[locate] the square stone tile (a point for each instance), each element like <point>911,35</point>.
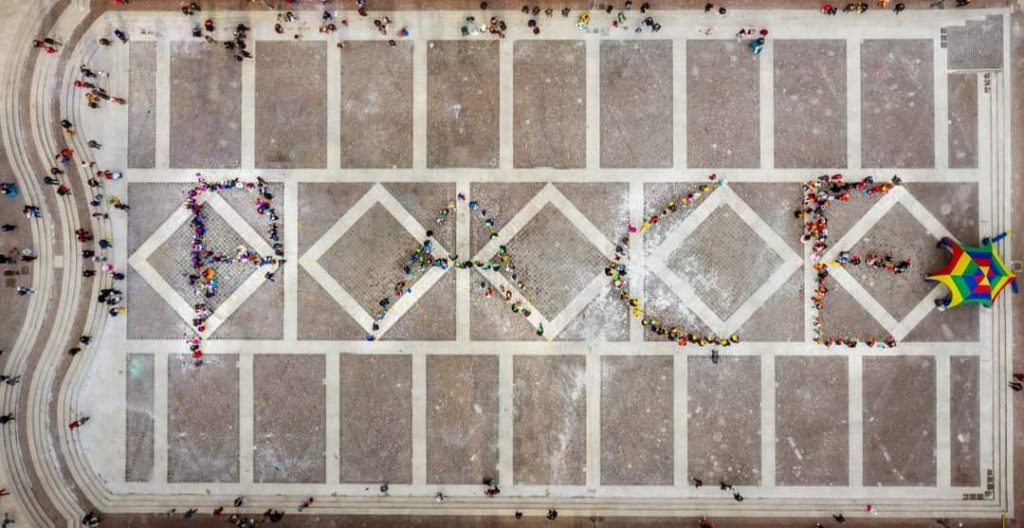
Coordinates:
<point>722,105</point>
<point>291,104</point>
<point>289,418</point>
<point>462,103</point>
<point>139,425</point>
<point>810,103</point>
<point>724,413</point>
<point>553,260</point>
<point>462,419</point>
<point>376,104</point>
<point>811,421</point>
<point>376,418</point>
<point>550,104</point>
<point>141,104</point>
<point>725,261</point>
<point>550,427</point>
<point>897,103</point>
<point>636,103</point>
<point>964,418</point>
<point>637,431</point>
<point>963,120</point>
<point>899,440</point>
<point>202,419</point>
<point>206,106</point>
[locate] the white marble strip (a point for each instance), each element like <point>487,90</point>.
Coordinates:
<point>160,418</point>
<point>163,104</point>
<point>291,255</point>
<point>679,106</point>
<point>853,109</point>
<point>593,381</point>
<point>246,425</point>
<point>941,87</point>
<point>332,423</point>
<point>767,104</point>
<point>943,450</point>
<point>593,69</point>
<point>419,105</point>
<point>680,420</point>
<point>547,175</point>
<point>463,277</point>
<point>248,119</point>
<point>334,123</point>
<point>505,419</point>
<point>768,421</point>
<point>555,348</point>
<point>419,419</point>
<point>636,266</point>
<point>505,103</point>
<point>856,420</point>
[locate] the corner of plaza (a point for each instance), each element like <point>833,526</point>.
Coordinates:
<point>452,263</point>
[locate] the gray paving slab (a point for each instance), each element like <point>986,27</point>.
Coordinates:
<point>965,421</point>
<point>202,419</point>
<point>722,105</point>
<point>811,421</point>
<point>810,103</point>
<point>141,104</point>
<point>897,103</point>
<point>206,106</point>
<point>899,440</point>
<point>963,121</point>
<point>139,441</point>
<point>376,418</point>
<point>462,104</point>
<point>289,418</point>
<point>636,420</point>
<point>462,419</point>
<point>636,104</point>
<point>291,104</point>
<point>724,419</point>
<point>550,420</point>
<point>376,105</point>
<point>549,104</point>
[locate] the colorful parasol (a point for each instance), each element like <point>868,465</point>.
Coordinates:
<point>974,274</point>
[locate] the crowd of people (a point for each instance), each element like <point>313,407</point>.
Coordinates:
<point>820,194</point>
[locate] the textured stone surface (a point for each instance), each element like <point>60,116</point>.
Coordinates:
<point>462,419</point>
<point>289,418</point>
<point>722,105</point>
<point>291,104</point>
<point>636,420</point>
<point>202,419</point>
<point>206,110</point>
<point>897,103</point>
<point>462,104</point>
<point>724,430</point>
<point>376,105</point>
<point>636,104</point>
<point>139,425</point>
<point>811,421</point>
<point>810,103</point>
<point>550,424</point>
<point>550,104</point>
<point>376,418</point>
<point>899,440</point>
<point>142,104</point>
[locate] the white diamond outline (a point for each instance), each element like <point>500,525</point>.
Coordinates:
<point>139,260</point>
<point>723,197</point>
<point>550,194</point>
<point>310,260</point>
<point>898,194</point>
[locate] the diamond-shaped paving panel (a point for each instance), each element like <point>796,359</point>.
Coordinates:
<point>554,260</point>
<point>368,260</point>
<point>724,261</point>
<point>903,236</point>
<point>173,262</point>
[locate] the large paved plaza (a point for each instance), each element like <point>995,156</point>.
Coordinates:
<point>347,374</point>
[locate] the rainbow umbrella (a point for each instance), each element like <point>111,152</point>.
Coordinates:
<point>974,274</point>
